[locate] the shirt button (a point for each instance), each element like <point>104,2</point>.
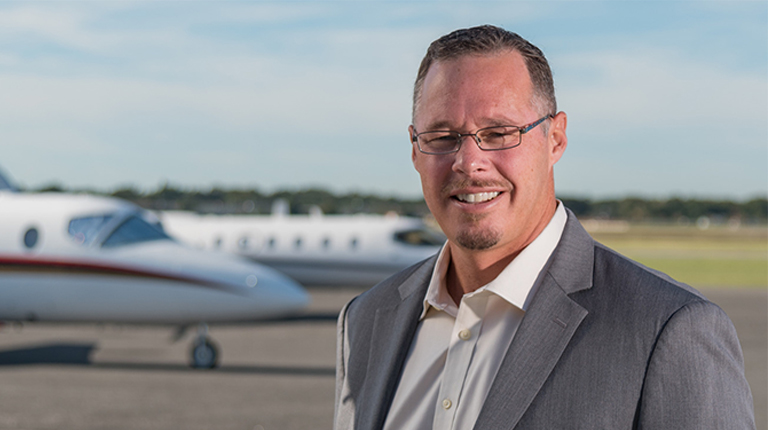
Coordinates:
<point>447,404</point>
<point>465,334</point>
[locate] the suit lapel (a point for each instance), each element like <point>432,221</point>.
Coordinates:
<point>393,330</point>
<point>545,331</point>
<point>538,344</point>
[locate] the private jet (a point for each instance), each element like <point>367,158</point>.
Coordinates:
<point>84,258</point>
<point>313,249</point>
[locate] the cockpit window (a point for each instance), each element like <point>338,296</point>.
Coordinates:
<point>84,230</point>
<point>134,230</point>
<point>420,237</point>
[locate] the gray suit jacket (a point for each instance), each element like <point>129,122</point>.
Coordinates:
<point>605,344</point>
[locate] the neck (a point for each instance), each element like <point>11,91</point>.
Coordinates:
<point>467,274</point>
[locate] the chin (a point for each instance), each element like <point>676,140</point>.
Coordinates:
<point>478,239</point>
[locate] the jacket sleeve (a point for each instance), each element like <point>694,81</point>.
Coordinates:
<point>344,411</point>
<point>695,377</point>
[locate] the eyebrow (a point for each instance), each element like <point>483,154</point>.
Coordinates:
<point>488,122</point>
<point>440,125</point>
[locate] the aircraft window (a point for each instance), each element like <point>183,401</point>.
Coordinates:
<point>327,243</point>
<point>420,237</point>
<point>243,243</point>
<point>353,243</point>
<point>84,230</point>
<point>271,243</point>
<point>134,230</point>
<point>30,238</point>
<point>217,243</point>
<point>297,243</point>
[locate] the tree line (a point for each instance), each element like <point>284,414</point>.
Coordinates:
<point>243,201</point>
<point>673,209</point>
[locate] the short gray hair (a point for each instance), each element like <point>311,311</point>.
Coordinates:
<point>486,40</point>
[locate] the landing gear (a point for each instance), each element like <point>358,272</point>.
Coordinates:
<point>204,354</point>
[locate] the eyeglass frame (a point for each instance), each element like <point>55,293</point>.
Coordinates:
<point>460,136</point>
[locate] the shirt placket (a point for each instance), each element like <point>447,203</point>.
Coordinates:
<point>464,336</point>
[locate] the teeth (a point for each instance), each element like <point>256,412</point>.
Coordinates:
<point>477,197</point>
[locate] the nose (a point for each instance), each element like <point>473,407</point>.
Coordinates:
<point>470,158</point>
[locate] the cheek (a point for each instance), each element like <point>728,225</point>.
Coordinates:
<point>527,171</point>
<point>427,179</point>
<point>431,170</point>
<point>421,169</point>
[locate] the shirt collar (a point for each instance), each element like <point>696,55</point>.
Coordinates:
<point>514,284</point>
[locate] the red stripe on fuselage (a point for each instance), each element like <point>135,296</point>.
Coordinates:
<point>43,265</point>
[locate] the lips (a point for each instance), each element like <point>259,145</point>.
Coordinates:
<point>477,197</point>
<point>472,194</point>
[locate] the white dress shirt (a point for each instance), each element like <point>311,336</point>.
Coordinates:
<point>457,351</point>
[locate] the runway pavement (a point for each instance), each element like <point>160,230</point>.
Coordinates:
<point>273,376</point>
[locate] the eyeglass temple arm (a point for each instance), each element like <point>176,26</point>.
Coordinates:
<point>530,127</point>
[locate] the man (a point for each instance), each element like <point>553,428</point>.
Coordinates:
<point>523,321</point>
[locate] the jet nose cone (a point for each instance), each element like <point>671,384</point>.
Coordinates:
<point>284,294</point>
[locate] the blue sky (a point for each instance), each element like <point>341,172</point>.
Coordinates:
<point>663,98</point>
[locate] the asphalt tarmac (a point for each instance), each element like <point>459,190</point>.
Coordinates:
<point>273,376</point>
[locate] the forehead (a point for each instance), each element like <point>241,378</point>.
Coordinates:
<point>473,87</point>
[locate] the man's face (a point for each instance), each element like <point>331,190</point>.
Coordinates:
<point>487,200</point>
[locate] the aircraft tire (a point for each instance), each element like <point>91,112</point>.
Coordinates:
<point>204,354</point>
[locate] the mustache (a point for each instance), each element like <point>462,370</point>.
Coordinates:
<point>473,183</point>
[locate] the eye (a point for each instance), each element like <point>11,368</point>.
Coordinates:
<point>495,135</point>
<point>446,138</point>
<point>437,138</point>
<point>499,136</point>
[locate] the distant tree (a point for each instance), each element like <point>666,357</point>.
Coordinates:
<point>127,193</point>
<point>755,209</point>
<point>634,208</point>
<point>580,207</point>
<point>224,200</point>
<point>51,188</point>
<point>673,209</point>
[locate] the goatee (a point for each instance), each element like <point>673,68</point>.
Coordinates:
<point>478,240</point>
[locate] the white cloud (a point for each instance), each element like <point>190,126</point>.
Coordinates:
<point>78,27</point>
<point>61,25</point>
<point>650,122</point>
<point>203,86</point>
<point>308,97</point>
<point>361,82</point>
<point>659,89</point>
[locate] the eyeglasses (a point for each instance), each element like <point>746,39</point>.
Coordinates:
<point>488,139</point>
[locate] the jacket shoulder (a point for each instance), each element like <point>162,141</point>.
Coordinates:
<point>392,290</point>
<point>631,277</point>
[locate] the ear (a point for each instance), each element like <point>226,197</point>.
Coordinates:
<point>557,139</point>
<point>414,150</point>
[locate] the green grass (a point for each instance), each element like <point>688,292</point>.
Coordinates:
<point>715,257</point>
